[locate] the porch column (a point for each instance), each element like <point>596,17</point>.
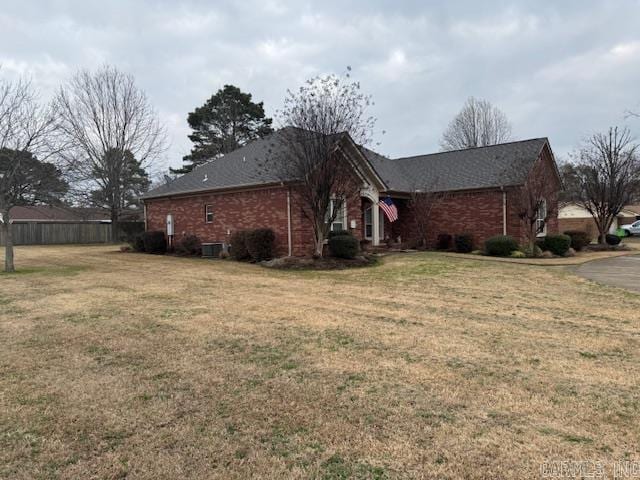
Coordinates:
<point>371,194</point>
<point>375,219</point>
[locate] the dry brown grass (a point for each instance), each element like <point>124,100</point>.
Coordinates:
<point>126,365</point>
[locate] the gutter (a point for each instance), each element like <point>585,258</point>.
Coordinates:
<point>198,192</point>
<point>144,213</point>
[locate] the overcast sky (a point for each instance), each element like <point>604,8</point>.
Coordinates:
<point>557,69</point>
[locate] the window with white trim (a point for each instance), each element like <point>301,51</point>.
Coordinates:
<point>340,221</point>
<point>208,213</point>
<point>541,218</point>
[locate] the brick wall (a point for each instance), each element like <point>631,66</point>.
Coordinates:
<point>242,210</point>
<point>232,211</point>
<point>479,213</point>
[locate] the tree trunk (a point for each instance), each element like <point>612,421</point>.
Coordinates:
<point>8,241</point>
<point>318,241</point>
<point>602,239</point>
<point>115,225</point>
<point>603,228</point>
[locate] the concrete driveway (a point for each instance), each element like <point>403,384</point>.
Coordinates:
<point>621,272</point>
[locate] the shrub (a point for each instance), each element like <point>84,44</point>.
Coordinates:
<point>463,243</point>
<point>444,241</point>
<point>155,242</point>
<point>129,230</point>
<point>338,233</point>
<point>343,246</point>
<point>500,246</point>
<point>579,239</point>
<point>260,243</point>
<point>612,239</point>
<point>137,243</point>
<point>534,252</point>
<point>189,245</point>
<point>518,254</point>
<point>557,244</point>
<point>238,243</point>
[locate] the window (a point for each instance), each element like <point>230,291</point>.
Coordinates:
<point>340,221</point>
<point>208,213</point>
<point>541,218</point>
<point>368,223</point>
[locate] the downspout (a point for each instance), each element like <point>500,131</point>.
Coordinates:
<point>504,211</point>
<point>289,222</point>
<point>144,214</point>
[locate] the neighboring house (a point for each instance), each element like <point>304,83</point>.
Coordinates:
<point>57,214</point>
<point>48,224</point>
<point>234,192</point>
<point>574,217</point>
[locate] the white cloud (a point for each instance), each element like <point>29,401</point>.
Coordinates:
<point>557,69</point>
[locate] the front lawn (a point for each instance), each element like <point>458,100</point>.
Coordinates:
<point>120,365</point>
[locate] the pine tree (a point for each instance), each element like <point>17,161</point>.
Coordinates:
<point>227,121</point>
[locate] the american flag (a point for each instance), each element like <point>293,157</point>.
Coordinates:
<point>389,209</point>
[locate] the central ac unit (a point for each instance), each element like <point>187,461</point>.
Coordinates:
<point>212,250</point>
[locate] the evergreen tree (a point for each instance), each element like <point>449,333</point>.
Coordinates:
<point>227,121</point>
<point>121,180</point>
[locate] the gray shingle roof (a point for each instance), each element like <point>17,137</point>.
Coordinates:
<point>239,168</point>
<point>483,167</point>
<point>506,164</point>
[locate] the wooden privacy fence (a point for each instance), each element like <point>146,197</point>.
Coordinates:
<point>56,233</point>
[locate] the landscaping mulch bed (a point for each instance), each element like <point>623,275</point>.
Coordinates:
<point>324,263</point>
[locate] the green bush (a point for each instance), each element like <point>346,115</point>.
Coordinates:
<point>260,243</point>
<point>518,254</point>
<point>557,244</point>
<point>579,239</point>
<point>238,242</point>
<point>128,231</point>
<point>612,239</point>
<point>343,246</point>
<point>463,243</point>
<point>155,242</point>
<point>189,245</point>
<point>137,243</point>
<point>500,246</point>
<point>338,233</point>
<point>444,241</point>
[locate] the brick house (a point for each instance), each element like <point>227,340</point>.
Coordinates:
<point>233,192</point>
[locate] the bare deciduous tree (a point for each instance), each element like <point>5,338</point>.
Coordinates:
<point>422,201</point>
<point>535,203</point>
<point>607,176</point>
<point>478,124</point>
<point>324,118</point>
<point>25,127</point>
<point>104,119</point>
